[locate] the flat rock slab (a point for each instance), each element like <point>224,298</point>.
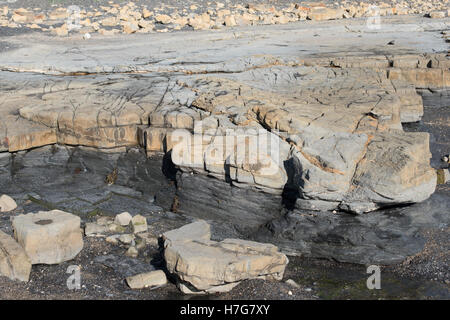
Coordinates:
<point>205,266</point>
<point>49,237</point>
<point>14,261</point>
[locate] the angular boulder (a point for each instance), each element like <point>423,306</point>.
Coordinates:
<point>49,237</point>
<point>7,203</point>
<point>14,261</point>
<point>205,266</point>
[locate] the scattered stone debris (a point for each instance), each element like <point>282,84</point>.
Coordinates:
<point>132,18</point>
<point>126,238</point>
<point>152,279</point>
<point>292,283</point>
<point>94,229</point>
<point>132,252</point>
<point>49,237</point>
<point>7,203</point>
<point>205,266</point>
<point>14,261</point>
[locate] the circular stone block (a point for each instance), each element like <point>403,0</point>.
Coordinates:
<point>49,237</point>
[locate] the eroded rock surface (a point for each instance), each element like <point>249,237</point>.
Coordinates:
<point>255,122</point>
<point>206,266</point>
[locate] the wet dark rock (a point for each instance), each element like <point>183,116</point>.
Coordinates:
<point>124,266</point>
<point>383,237</point>
<point>212,199</point>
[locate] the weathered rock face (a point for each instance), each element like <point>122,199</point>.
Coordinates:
<point>14,262</point>
<point>315,142</point>
<point>49,237</point>
<point>205,266</point>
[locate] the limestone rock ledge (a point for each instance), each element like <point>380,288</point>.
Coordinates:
<point>205,266</point>
<point>321,133</point>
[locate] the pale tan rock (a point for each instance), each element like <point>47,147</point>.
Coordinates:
<point>94,229</point>
<point>139,224</point>
<point>181,21</point>
<point>210,266</point>
<point>58,14</point>
<point>123,219</point>
<point>109,22</point>
<point>147,280</point>
<point>115,228</point>
<point>39,18</point>
<point>148,238</point>
<point>223,13</point>
<point>200,22</point>
<point>14,261</point>
<point>230,21</point>
<point>199,230</point>
<point>163,18</point>
<point>22,16</point>
<point>49,237</point>
<point>132,252</point>
<point>126,238</point>
<point>114,239</point>
<point>7,203</point>
<point>437,14</point>
<point>110,32</point>
<point>145,24</point>
<point>323,13</point>
<point>146,13</point>
<point>34,26</point>
<point>61,31</point>
<point>130,27</point>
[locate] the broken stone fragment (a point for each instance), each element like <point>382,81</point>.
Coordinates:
<point>123,219</point>
<point>443,176</point>
<point>126,238</point>
<point>93,229</point>
<point>205,266</point>
<point>14,261</point>
<point>139,224</point>
<point>150,279</point>
<point>7,203</point>
<point>49,237</point>
<point>114,239</point>
<point>132,252</point>
<point>61,31</point>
